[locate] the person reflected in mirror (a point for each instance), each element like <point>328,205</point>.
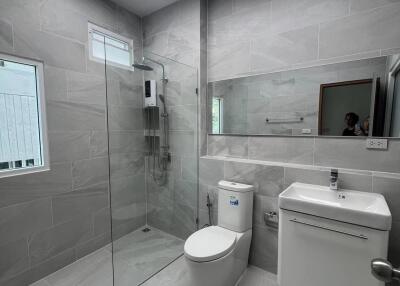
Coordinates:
<point>365,127</point>
<point>353,127</point>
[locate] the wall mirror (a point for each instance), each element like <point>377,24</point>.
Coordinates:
<point>355,98</point>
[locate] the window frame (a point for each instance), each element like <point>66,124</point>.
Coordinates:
<point>93,27</point>
<point>42,118</point>
<point>220,114</point>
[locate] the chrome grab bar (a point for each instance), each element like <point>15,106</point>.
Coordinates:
<point>360,236</point>
<point>384,271</point>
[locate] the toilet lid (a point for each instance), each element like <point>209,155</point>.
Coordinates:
<point>209,244</point>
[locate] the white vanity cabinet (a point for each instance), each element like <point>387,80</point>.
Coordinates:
<point>315,251</point>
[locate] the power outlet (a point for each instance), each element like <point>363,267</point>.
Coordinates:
<point>377,143</point>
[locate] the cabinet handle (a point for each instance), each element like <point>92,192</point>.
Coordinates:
<point>360,236</point>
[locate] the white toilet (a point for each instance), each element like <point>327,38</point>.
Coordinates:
<point>218,255</point>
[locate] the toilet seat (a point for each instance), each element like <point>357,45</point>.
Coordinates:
<point>209,244</point>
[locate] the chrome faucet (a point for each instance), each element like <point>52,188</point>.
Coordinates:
<point>334,180</point>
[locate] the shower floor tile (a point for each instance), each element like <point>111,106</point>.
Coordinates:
<point>176,274</point>
<point>137,256</point>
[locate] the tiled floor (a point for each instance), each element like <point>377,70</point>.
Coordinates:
<point>176,275</point>
<point>139,255</point>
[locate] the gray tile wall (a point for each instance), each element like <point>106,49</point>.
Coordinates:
<point>253,37</point>
<point>52,218</point>
<point>271,178</point>
<point>247,37</point>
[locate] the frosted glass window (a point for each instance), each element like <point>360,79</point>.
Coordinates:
<point>22,116</point>
<point>106,46</point>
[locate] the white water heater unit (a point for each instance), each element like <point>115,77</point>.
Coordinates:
<point>150,93</point>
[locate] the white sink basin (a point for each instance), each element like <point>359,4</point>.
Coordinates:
<point>361,208</point>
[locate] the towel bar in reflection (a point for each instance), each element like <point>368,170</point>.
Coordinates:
<point>284,120</point>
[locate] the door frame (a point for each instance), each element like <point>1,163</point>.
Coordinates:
<point>335,84</point>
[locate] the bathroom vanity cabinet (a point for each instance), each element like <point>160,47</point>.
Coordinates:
<point>315,251</point>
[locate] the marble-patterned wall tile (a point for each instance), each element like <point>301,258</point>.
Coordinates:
<point>98,143</point>
<point>21,13</point>
<point>219,8</point>
<point>55,83</point>
<point>161,21</point>
<point>230,60</point>
<point>264,248</point>
<point>69,146</point>
<point>70,116</point>
<point>97,11</point>
<point>86,88</point>
<point>6,36</point>
<point>67,23</point>
<point>282,50</point>
<point>129,24</point>
<point>249,24</point>
<point>183,220</point>
<point>183,143</point>
<point>189,169</point>
<point>14,258</point>
<point>239,5</point>
<point>102,221</point>
<point>352,154</point>
<point>126,164</point>
<point>57,51</point>
<point>362,5</point>
<point>126,190</point>
<point>337,37</point>
<point>232,146</point>
<point>125,118</point>
<point>211,171</point>
<point>24,219</point>
<point>389,187</point>
<point>288,149</point>
<point>89,172</point>
<point>47,243</point>
<point>81,203</point>
<point>266,180</point>
<point>127,142</point>
<point>291,14</point>
<point>347,179</point>
<point>14,190</point>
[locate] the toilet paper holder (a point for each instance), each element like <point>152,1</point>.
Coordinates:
<point>271,218</point>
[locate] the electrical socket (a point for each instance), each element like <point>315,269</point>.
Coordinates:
<point>377,143</point>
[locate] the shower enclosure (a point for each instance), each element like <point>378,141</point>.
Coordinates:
<point>153,156</point>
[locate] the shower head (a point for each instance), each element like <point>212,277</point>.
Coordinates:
<point>142,66</point>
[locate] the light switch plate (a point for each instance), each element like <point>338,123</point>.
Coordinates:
<point>377,143</point>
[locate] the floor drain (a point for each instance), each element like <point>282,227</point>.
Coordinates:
<point>146,229</point>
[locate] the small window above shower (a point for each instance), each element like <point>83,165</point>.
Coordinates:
<point>106,46</point>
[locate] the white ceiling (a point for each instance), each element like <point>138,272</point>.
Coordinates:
<point>144,7</point>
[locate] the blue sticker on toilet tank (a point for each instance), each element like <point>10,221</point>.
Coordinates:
<point>234,202</point>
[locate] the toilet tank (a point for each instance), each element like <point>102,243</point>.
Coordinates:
<point>235,206</point>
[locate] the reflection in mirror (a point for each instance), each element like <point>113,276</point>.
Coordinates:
<point>357,98</point>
